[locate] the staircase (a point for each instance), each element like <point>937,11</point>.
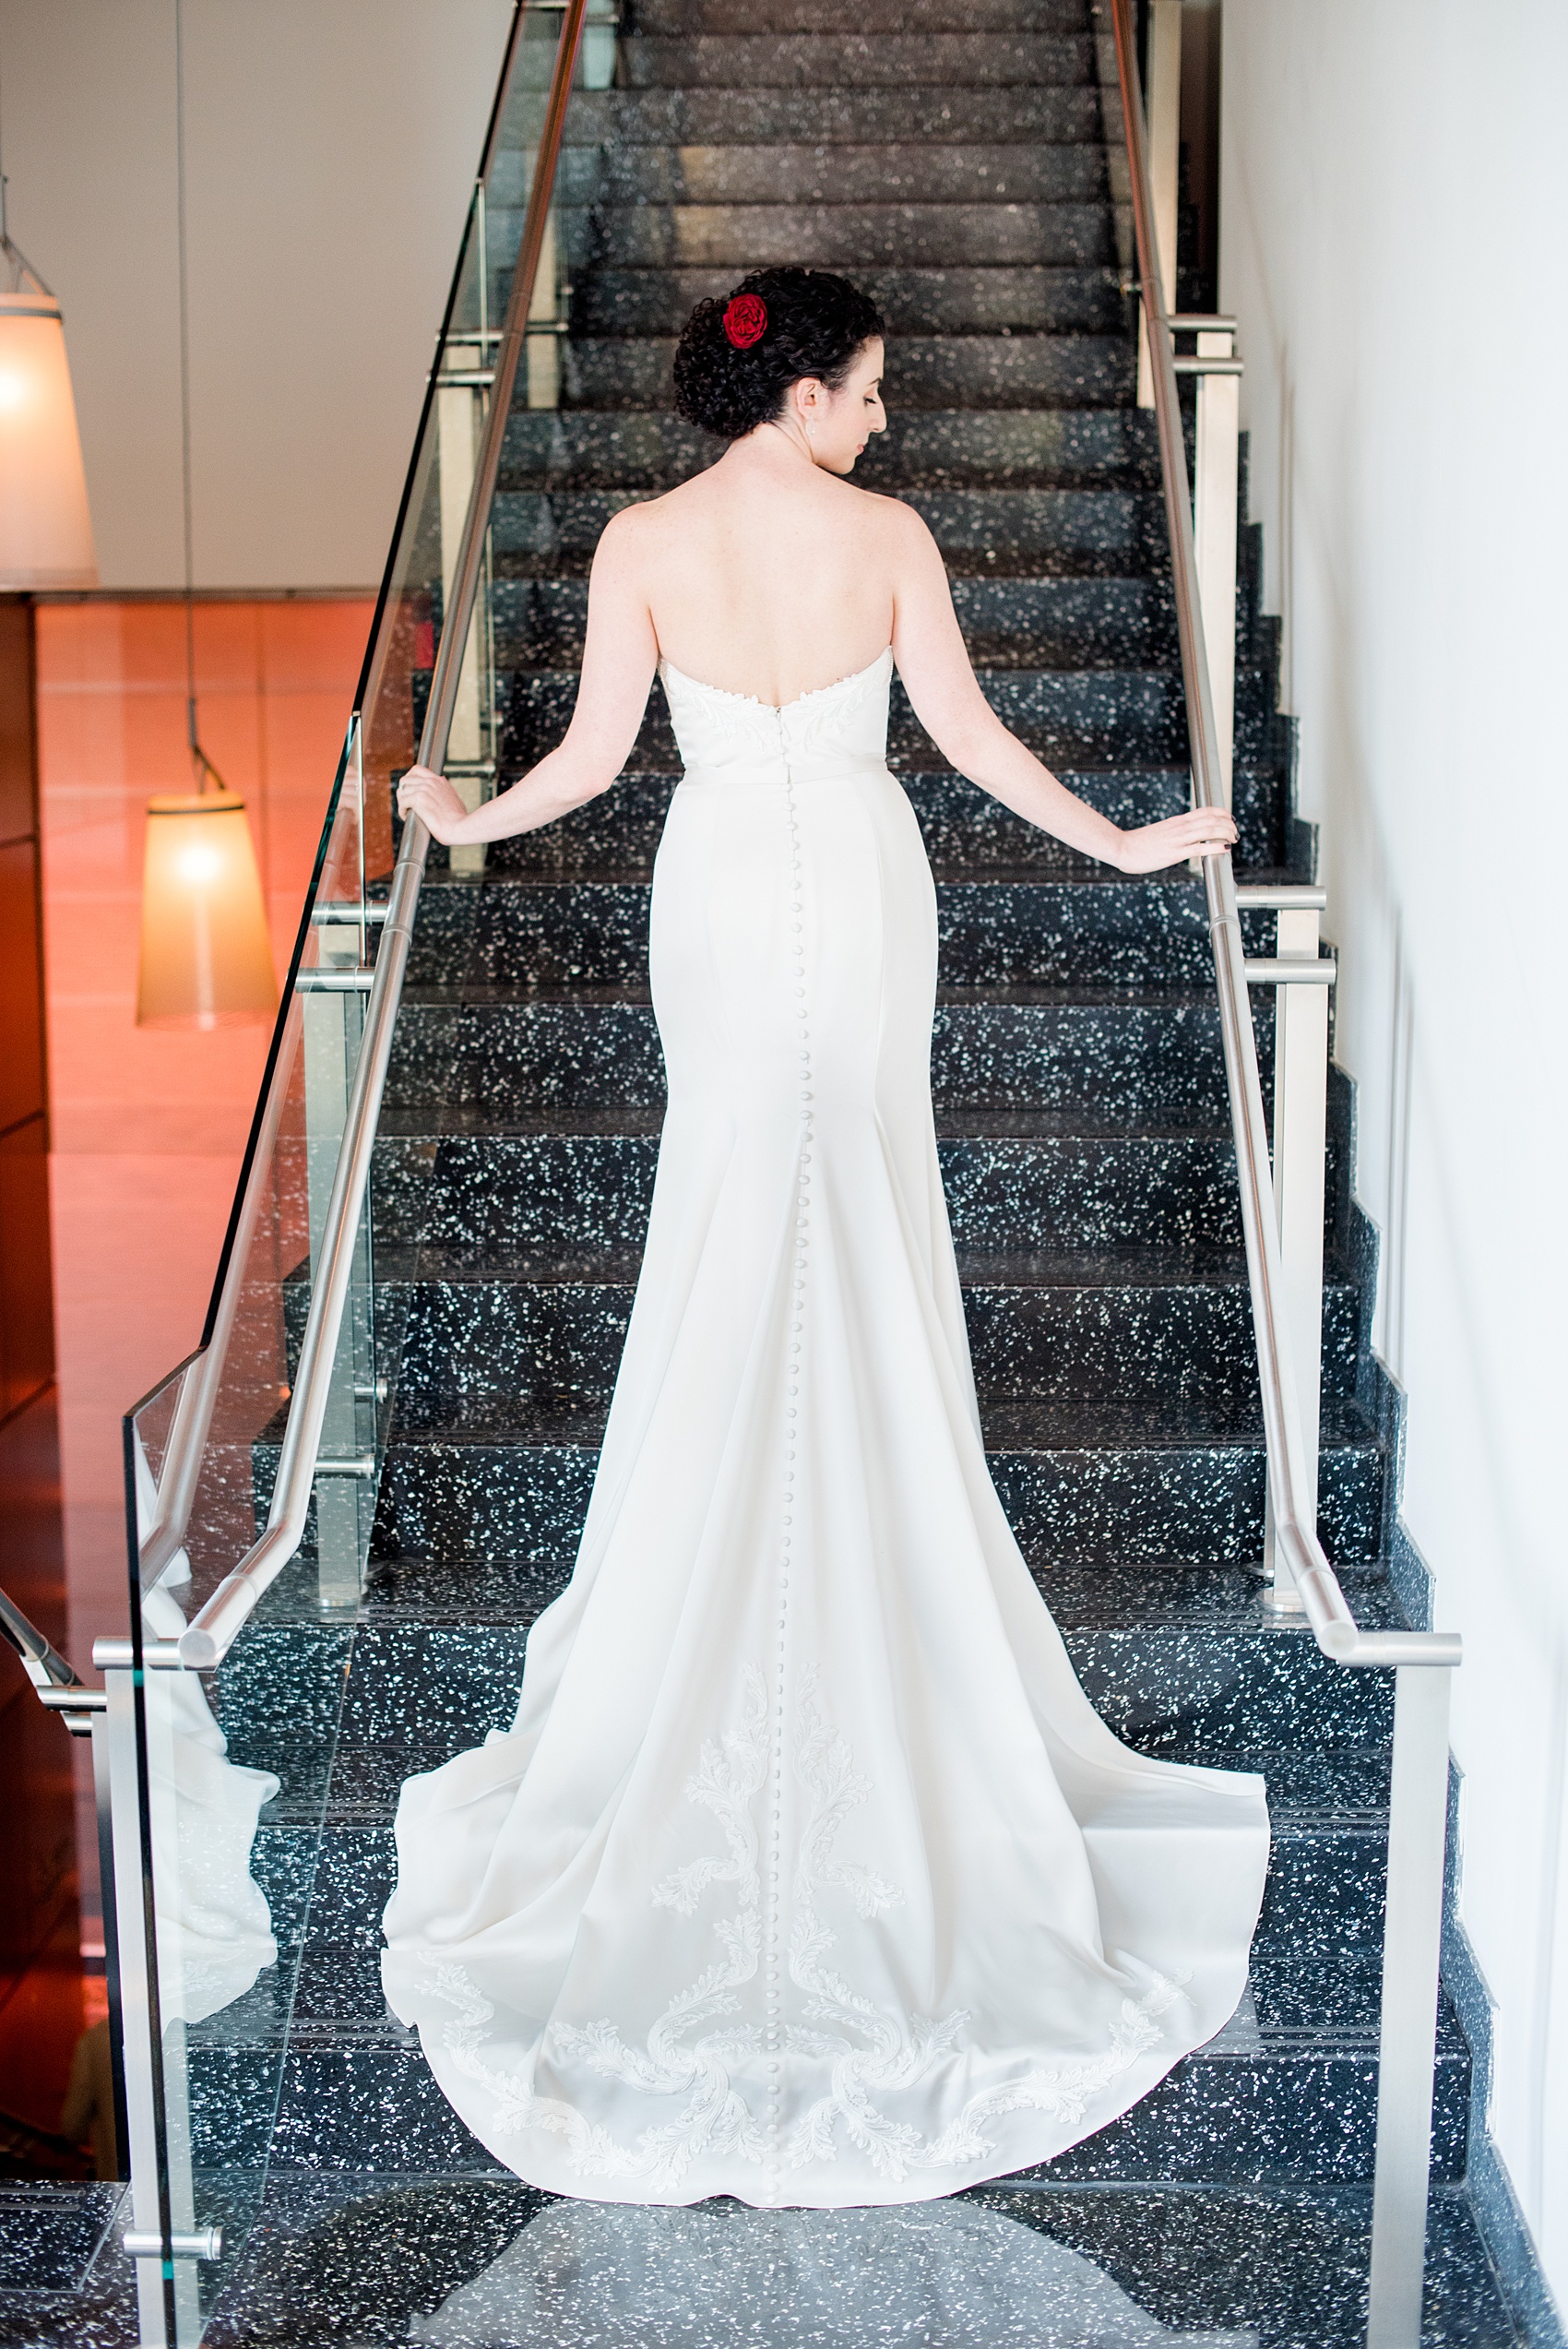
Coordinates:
<point>959,159</point>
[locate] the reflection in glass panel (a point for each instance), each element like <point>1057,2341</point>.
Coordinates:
<point>720,2274</point>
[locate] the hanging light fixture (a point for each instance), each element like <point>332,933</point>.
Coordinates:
<point>205,956</point>
<point>45,528</point>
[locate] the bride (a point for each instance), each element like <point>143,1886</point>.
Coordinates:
<point>806,1874</point>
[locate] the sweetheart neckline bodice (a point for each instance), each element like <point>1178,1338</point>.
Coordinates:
<point>773,709</point>
<point>832,730</point>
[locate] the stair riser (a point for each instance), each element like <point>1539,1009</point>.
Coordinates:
<point>725,173</point>
<point>498,1501</point>
<point>1163,1349</point>
<point>1148,1065</point>
<point>989,371</point>
<point>591,1193</point>
<point>544,935</point>
<point>552,450</point>
<point>1238,2119</point>
<point>1049,623</point>
<point>1096,529</point>
<point>964,829</point>
<point>845,236</point>
<point>1220,1692</point>
<point>949,115</point>
<point>961,299</point>
<point>1241,2119</point>
<point>684,17</point>
<point>1202,1501</point>
<point>967,832</point>
<point>1067,718</point>
<point>332,1974</point>
<point>841,60</point>
<point>493,1198</point>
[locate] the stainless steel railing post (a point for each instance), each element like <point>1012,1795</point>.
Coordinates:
<point>1412,1945</point>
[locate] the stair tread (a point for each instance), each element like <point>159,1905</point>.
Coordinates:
<point>1138,1268</point>
<point>1313,1793</point>
<point>1273,2028</point>
<point>1011,1422</point>
<point>1121,1596</point>
<point>1027,1272</point>
<point>480,1119</point>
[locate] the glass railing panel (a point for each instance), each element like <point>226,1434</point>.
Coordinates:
<point>239,1761</point>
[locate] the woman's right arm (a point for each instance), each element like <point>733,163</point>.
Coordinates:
<point>934,661</point>
<point>620,654</point>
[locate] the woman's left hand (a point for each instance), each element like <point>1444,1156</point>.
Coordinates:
<point>431,797</point>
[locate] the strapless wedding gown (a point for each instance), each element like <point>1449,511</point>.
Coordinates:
<point>807,1873</point>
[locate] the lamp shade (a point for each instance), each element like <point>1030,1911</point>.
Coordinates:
<point>45,529</point>
<point>206,957</point>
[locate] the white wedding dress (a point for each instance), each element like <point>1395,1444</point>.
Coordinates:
<point>807,1873</point>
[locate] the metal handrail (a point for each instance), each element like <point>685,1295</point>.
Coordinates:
<point>211,1632</point>
<point>1295,1511</point>
<point>59,1686</point>
<point>42,1661</point>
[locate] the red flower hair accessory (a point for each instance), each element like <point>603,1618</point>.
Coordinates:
<point>746,320</point>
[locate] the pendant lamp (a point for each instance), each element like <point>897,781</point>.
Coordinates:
<point>206,955</point>
<point>45,529</point>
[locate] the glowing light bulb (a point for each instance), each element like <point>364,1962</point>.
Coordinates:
<point>199,864</point>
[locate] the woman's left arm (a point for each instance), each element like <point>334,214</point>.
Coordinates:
<point>619,658</point>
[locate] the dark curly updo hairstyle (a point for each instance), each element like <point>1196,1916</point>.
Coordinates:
<point>816,324</point>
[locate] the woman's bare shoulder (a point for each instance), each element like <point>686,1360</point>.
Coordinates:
<point>904,535</point>
<point>648,521</point>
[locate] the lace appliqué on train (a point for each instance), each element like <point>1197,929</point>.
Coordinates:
<point>863,2052</point>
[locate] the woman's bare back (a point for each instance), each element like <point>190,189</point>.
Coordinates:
<point>764,576</point>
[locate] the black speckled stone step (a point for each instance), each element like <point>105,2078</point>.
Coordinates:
<point>366,2257</point>
<point>755,174</point>
<point>986,372</point>
<point>1069,717</point>
<point>526,935</point>
<point>1305,2028</point>
<point>499,1201</point>
<point>1068,1330</point>
<point>500,1064</point>
<point>1094,533</point>
<point>967,833</point>
<point>839,61</point>
<point>839,116</point>
<point>495,1479</point>
<point>913,299</point>
<point>684,17</point>
<point>1008,623</point>
<point>1253,2108</point>
<point>627,450</point>
<point>330,1974</point>
<point>847,235</point>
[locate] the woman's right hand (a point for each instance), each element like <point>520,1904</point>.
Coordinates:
<point>1201,831</point>
<point>431,797</point>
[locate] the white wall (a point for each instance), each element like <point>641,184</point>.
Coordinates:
<point>1394,185</point>
<point>331,149</point>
